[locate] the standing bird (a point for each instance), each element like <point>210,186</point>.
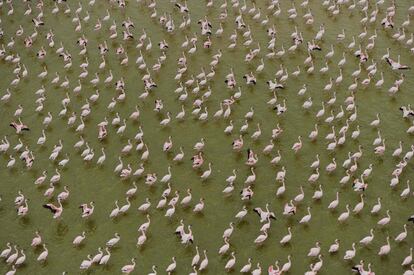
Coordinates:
<point>385,249</point>
<point>170,268</point>
<point>79,239</point>
<point>104,260</point>
<point>298,145</point>
<point>230,263</point>
<point>126,269</point>
<point>43,256</point>
<point>204,262</point>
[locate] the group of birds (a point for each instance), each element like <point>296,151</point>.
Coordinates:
<point>99,59</point>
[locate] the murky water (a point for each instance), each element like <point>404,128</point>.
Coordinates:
<point>88,182</point>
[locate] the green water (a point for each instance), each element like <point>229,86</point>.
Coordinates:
<point>88,182</point>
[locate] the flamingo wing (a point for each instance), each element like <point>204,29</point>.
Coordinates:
<point>51,207</point>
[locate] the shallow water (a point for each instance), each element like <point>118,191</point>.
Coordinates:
<point>87,182</point>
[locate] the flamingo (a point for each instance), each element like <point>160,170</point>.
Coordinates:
<point>127,269</point>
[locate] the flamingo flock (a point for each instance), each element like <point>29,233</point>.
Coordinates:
<point>211,137</point>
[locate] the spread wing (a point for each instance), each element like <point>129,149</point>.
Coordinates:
<point>51,207</point>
